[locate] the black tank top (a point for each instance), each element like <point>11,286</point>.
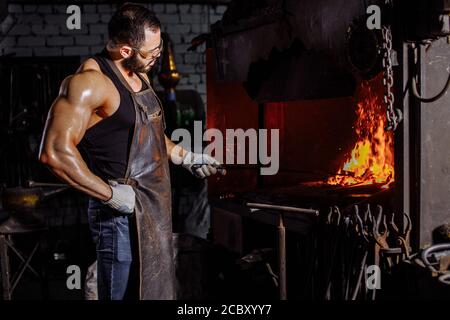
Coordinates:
<point>107,144</point>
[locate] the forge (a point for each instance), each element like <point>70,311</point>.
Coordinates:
<point>352,127</point>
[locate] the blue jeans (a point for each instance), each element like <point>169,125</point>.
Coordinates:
<point>111,234</point>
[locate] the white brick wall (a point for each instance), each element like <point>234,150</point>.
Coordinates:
<point>40,30</point>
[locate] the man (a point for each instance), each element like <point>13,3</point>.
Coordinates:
<point>109,109</point>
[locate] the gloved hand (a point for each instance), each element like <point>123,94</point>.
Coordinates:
<point>202,165</point>
<point>123,197</point>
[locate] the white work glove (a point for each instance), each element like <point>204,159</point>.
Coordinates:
<point>201,165</point>
<point>123,197</point>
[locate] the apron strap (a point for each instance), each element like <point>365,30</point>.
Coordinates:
<point>157,98</point>
<point>125,83</point>
<point>119,75</point>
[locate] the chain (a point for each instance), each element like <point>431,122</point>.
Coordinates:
<point>393,116</point>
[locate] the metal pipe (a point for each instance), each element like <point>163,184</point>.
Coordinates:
<point>361,271</point>
<point>282,208</point>
<point>282,256</point>
<point>6,272</point>
<point>34,184</point>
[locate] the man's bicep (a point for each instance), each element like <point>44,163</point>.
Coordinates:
<point>68,121</point>
<point>78,99</point>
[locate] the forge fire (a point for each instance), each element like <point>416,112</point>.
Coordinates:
<point>371,161</point>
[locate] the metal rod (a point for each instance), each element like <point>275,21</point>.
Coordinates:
<point>361,271</point>
<point>33,184</point>
<point>282,256</point>
<point>5,268</point>
<point>282,208</point>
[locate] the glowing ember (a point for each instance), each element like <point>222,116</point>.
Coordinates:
<point>372,158</point>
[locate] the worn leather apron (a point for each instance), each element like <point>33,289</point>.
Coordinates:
<point>148,174</point>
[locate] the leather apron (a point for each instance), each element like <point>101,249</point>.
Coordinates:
<point>148,174</point>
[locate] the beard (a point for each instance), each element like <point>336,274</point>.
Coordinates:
<point>133,64</point>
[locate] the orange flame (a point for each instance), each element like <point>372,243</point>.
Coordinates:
<point>372,158</point>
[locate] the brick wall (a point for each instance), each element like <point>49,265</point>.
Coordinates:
<point>40,30</point>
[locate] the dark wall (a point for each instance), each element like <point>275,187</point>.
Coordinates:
<point>434,142</point>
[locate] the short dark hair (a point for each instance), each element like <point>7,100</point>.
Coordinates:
<point>129,22</point>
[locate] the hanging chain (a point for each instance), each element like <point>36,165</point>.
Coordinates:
<point>393,116</point>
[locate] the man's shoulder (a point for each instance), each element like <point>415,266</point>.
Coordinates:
<point>86,79</point>
<point>88,85</point>
<point>89,64</point>
<point>87,75</point>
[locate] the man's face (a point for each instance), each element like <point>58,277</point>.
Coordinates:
<point>142,59</point>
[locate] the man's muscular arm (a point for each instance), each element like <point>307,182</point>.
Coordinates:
<point>179,152</point>
<point>80,95</point>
